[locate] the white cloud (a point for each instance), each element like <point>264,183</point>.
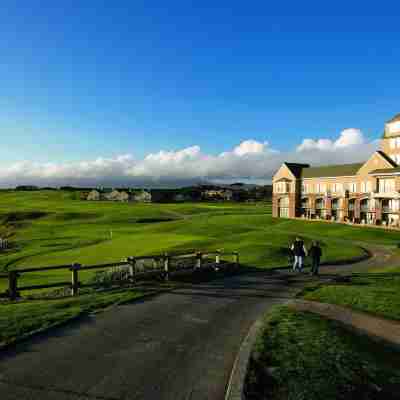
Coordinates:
<point>249,147</point>
<point>249,160</point>
<point>348,137</point>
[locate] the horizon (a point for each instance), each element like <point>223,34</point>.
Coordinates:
<point>152,96</point>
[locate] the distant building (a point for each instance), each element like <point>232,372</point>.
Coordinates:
<point>94,195</point>
<point>218,194</point>
<point>116,195</point>
<point>142,196</point>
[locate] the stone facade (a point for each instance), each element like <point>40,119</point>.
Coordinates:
<point>366,193</point>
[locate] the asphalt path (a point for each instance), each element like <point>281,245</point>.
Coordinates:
<point>177,345</point>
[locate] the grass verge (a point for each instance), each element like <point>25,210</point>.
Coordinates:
<point>301,356</point>
<point>21,319</point>
<point>375,293</point>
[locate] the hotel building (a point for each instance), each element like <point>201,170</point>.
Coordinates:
<point>366,193</point>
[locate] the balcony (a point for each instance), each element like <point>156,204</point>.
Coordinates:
<point>366,209</point>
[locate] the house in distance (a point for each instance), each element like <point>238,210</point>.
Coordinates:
<point>366,193</point>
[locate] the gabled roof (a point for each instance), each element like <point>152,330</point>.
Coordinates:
<point>331,170</point>
<point>296,168</point>
<point>386,157</point>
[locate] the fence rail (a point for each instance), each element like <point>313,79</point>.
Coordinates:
<point>130,266</point>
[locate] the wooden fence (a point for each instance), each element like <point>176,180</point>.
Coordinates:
<point>133,273</point>
<point>3,244</point>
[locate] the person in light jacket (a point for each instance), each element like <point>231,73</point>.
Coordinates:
<point>299,252</point>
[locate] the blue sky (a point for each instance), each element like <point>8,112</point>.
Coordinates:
<point>105,79</point>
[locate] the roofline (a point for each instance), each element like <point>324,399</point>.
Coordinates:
<point>385,173</point>
<point>331,177</point>
<point>386,157</point>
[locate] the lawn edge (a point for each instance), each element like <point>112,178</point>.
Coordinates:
<point>382,330</point>
<point>29,335</point>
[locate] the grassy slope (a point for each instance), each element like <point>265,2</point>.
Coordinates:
<point>311,359</point>
<point>20,319</point>
<point>52,228</point>
<point>376,293</point>
<point>70,231</point>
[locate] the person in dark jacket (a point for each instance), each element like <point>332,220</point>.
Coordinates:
<point>299,252</point>
<point>315,253</point>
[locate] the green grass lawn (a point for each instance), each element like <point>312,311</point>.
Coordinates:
<point>52,228</point>
<point>373,292</point>
<point>301,356</point>
<point>20,319</point>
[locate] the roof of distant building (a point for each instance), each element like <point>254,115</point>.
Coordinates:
<point>326,171</point>
<point>296,168</point>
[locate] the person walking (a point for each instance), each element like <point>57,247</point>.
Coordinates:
<point>315,253</point>
<point>299,252</point>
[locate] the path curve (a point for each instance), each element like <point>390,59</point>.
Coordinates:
<point>378,328</point>
<point>178,345</point>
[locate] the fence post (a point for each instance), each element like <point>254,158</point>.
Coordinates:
<point>218,257</point>
<point>198,260</point>
<point>13,285</point>
<point>236,258</point>
<point>75,279</point>
<point>132,268</point>
<point>166,266</point>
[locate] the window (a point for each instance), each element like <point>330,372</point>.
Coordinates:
<point>366,187</point>
<point>353,187</point>
<point>306,188</point>
<point>321,187</point>
<point>392,143</point>
<point>337,187</point>
<point>386,185</point>
<point>281,187</point>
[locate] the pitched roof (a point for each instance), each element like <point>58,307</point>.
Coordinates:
<point>395,170</point>
<point>331,170</point>
<point>394,119</point>
<point>296,168</point>
<point>387,158</point>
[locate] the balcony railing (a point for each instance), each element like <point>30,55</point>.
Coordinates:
<point>366,209</point>
<point>387,209</point>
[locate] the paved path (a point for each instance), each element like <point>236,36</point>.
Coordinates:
<point>382,329</point>
<point>178,345</point>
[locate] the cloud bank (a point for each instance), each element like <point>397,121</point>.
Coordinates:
<point>250,160</point>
